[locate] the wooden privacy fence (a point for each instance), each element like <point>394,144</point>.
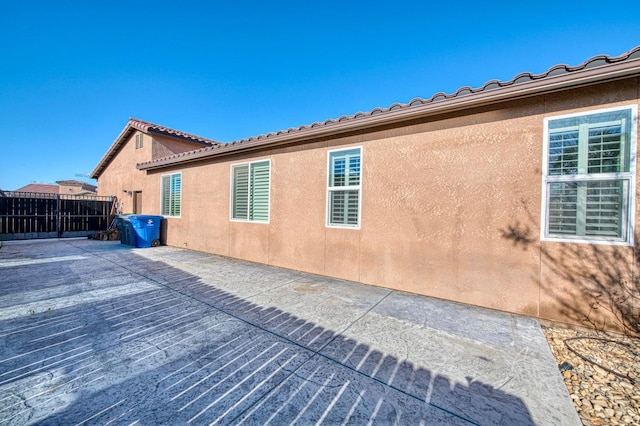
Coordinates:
<point>28,215</point>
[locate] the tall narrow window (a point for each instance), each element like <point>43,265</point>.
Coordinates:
<point>589,176</point>
<point>171,194</point>
<point>250,191</point>
<point>139,141</point>
<point>343,188</point>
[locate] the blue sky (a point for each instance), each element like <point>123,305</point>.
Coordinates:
<point>73,72</point>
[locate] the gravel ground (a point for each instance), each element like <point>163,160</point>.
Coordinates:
<point>606,389</point>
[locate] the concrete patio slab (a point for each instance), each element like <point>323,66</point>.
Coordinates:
<point>322,391</point>
<point>332,305</point>
<point>96,332</point>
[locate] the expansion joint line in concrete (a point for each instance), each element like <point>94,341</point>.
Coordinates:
<point>316,352</point>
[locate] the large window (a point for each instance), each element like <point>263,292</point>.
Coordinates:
<point>250,191</point>
<point>589,184</point>
<point>171,194</point>
<point>343,188</point>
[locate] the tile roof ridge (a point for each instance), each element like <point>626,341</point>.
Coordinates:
<point>522,78</point>
<point>147,126</point>
<point>592,62</point>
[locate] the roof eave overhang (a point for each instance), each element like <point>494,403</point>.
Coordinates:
<point>176,137</point>
<point>542,86</point>
<point>122,137</point>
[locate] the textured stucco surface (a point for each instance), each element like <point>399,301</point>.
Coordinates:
<point>306,200</point>
<point>121,175</point>
<point>580,283</point>
<point>165,146</point>
<point>437,229</point>
<point>450,207</point>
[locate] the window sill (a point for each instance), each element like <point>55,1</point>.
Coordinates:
<point>260,222</point>
<point>587,241</point>
<point>352,227</point>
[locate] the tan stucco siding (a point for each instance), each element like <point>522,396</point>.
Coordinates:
<point>450,208</point>
<point>121,175</point>
<point>73,189</point>
<point>592,284</point>
<point>162,146</point>
<point>296,231</point>
<point>436,199</point>
<point>438,228</point>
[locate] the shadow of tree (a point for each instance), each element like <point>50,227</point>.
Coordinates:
<point>595,285</point>
<point>188,352</point>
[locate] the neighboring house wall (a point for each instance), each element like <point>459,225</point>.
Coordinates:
<point>68,189</point>
<point>77,189</point>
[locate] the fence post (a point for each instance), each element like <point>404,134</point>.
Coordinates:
<point>58,227</point>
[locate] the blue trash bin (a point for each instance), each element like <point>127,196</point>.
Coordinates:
<point>146,230</point>
<point>126,230</point>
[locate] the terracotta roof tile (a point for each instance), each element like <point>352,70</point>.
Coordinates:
<point>45,188</point>
<point>74,182</point>
<point>556,72</point>
<point>145,126</point>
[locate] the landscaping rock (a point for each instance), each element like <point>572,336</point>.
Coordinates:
<point>600,396</point>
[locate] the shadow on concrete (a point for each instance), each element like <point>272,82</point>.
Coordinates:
<point>183,351</point>
<point>595,285</point>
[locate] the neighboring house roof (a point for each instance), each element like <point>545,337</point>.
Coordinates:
<point>595,70</point>
<point>50,188</point>
<point>144,126</point>
<point>81,184</point>
<point>45,188</point>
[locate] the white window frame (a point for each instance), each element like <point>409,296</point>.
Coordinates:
<point>231,187</point>
<point>139,141</point>
<point>162,194</point>
<point>331,189</point>
<point>628,213</point>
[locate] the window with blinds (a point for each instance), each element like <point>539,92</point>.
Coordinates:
<point>171,194</point>
<point>250,191</point>
<point>343,188</point>
<point>589,176</point>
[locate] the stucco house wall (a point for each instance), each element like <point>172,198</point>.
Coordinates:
<point>121,177</point>
<point>450,208</point>
<point>591,284</point>
<point>136,144</point>
<point>163,146</point>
